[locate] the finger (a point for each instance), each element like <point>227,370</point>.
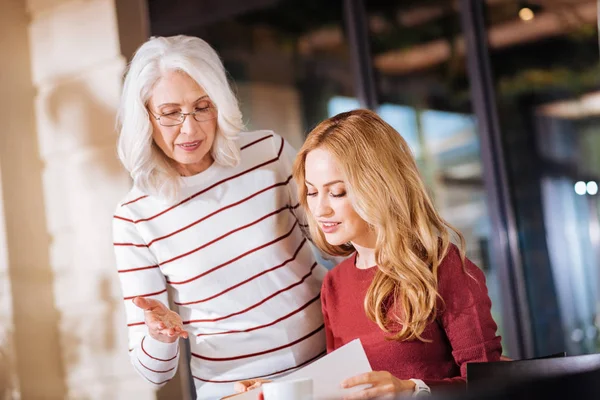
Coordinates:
<point>255,385</point>
<point>260,381</point>
<point>168,332</point>
<point>240,387</point>
<point>155,323</point>
<point>371,393</point>
<point>171,332</point>
<point>362,379</point>
<point>249,384</point>
<point>156,327</point>
<point>147,304</point>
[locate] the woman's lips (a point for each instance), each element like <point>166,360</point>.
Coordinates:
<point>190,146</point>
<point>330,227</point>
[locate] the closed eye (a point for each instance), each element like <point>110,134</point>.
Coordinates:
<point>313,194</point>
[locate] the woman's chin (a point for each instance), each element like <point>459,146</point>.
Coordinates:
<point>333,241</point>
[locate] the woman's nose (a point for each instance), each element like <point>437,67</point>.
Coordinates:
<point>323,208</point>
<point>189,125</point>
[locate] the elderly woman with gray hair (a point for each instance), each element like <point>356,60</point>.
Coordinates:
<point>213,219</point>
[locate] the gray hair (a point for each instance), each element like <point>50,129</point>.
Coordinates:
<point>148,166</point>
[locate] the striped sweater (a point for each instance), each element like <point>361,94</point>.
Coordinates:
<point>236,261</point>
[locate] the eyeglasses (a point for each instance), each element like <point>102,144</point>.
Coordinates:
<point>177,118</point>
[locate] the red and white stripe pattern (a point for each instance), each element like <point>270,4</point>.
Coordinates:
<point>239,266</point>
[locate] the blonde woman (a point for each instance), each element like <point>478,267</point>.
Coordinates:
<point>213,218</point>
<point>420,308</point>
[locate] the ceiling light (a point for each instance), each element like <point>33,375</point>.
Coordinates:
<point>526,14</point>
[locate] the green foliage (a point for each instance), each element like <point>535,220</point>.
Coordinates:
<point>576,82</point>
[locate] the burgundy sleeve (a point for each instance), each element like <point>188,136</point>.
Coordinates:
<point>465,315</point>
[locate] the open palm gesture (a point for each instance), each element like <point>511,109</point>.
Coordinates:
<point>163,324</point>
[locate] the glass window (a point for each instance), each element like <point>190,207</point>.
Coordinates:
<point>547,76</point>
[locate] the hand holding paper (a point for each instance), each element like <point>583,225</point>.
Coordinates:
<point>382,383</point>
<point>244,386</point>
<point>327,373</point>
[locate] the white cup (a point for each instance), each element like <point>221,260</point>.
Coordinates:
<point>299,389</point>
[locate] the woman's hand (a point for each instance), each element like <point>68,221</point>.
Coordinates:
<point>382,384</point>
<point>244,386</point>
<point>163,324</point>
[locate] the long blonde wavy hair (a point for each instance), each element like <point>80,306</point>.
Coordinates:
<point>386,191</point>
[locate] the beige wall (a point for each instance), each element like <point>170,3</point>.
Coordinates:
<point>62,329</point>
<point>34,323</point>
<point>8,375</point>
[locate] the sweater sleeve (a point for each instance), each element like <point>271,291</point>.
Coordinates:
<point>465,315</point>
<point>140,276</point>
<point>328,331</point>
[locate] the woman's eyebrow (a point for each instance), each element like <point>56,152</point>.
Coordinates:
<point>328,183</point>
<point>177,104</point>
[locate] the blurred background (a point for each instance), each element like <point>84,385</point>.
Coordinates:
<point>499,100</point>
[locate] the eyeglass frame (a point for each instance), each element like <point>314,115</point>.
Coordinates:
<point>182,115</point>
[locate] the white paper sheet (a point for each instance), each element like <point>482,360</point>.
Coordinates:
<point>327,373</point>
